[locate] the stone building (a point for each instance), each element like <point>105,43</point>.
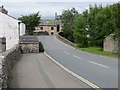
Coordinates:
<point>111,44</point>
<point>50,27</point>
<point>11,29</point>
<point>46,27</point>
<point>3,10</point>
<point>58,22</point>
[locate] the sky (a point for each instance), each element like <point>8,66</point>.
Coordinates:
<point>48,8</point>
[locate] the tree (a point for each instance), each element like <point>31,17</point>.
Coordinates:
<point>68,17</point>
<point>115,8</point>
<point>31,21</point>
<point>92,26</point>
<point>80,32</point>
<point>93,32</point>
<point>102,22</point>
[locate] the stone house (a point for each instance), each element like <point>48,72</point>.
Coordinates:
<point>11,29</point>
<point>112,44</point>
<point>46,27</point>
<point>50,27</point>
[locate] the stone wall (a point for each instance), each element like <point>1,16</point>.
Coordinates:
<point>7,60</point>
<point>29,44</point>
<point>111,44</point>
<point>64,40</point>
<point>29,47</point>
<point>2,44</point>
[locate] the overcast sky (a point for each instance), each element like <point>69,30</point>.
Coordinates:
<point>47,8</point>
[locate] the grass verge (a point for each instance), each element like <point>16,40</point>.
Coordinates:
<point>99,51</point>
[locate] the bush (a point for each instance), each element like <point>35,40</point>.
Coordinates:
<point>41,48</point>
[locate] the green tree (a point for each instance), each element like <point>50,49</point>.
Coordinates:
<point>68,17</point>
<point>115,8</point>
<point>103,25</point>
<point>102,22</point>
<point>93,11</point>
<point>31,21</point>
<point>98,22</point>
<point>80,32</point>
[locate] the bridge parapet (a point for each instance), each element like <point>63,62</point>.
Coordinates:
<point>7,60</point>
<point>64,40</point>
<point>30,44</point>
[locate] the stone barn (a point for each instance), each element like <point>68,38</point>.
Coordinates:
<point>112,44</point>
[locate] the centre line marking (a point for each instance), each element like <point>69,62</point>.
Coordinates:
<point>76,57</point>
<point>99,64</point>
<point>66,52</point>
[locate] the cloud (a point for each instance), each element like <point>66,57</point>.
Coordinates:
<point>61,1</point>
<point>48,9</point>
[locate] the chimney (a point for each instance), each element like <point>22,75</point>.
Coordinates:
<point>55,15</point>
<point>3,10</point>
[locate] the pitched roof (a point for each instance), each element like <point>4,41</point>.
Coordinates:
<point>47,24</point>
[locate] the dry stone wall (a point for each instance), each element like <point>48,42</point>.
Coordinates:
<point>29,47</point>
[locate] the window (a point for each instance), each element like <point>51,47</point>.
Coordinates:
<point>51,33</point>
<point>52,28</point>
<point>41,28</point>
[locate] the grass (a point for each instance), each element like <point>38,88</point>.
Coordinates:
<point>49,21</point>
<point>99,51</point>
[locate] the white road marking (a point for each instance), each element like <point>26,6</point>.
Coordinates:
<point>98,64</point>
<point>83,51</point>
<point>77,57</point>
<point>66,52</point>
<point>74,74</point>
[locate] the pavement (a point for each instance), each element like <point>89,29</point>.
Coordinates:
<point>38,71</point>
<point>99,70</point>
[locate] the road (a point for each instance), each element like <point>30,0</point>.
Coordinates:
<point>100,70</point>
<point>38,71</point>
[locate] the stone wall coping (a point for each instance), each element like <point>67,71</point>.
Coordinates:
<point>65,40</point>
<point>28,39</point>
<point>29,42</point>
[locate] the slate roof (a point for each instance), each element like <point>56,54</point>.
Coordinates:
<point>47,24</point>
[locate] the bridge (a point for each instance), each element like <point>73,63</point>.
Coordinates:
<point>63,66</point>
<point>100,70</point>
